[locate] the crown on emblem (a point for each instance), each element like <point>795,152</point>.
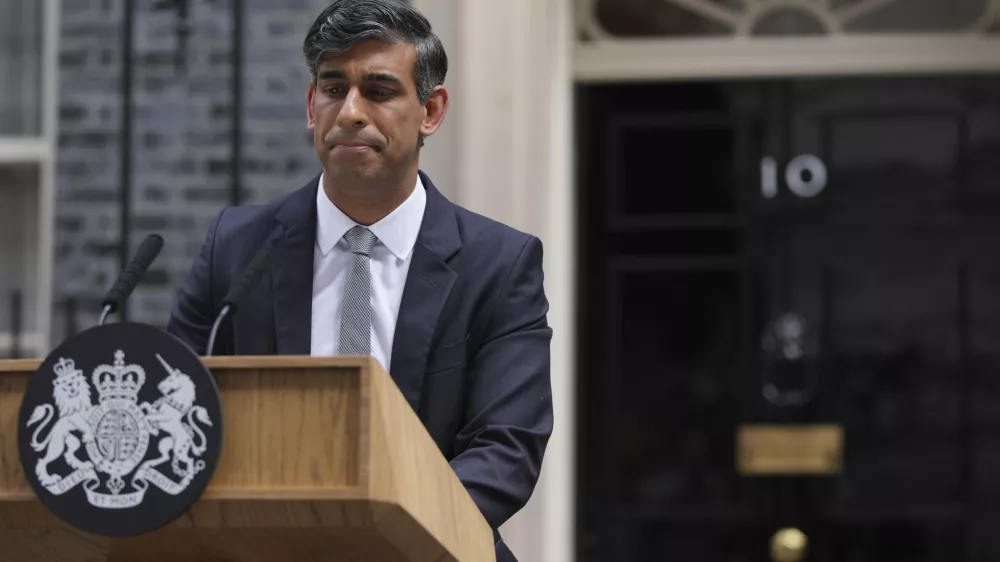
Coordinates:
<point>119,381</point>
<point>65,368</point>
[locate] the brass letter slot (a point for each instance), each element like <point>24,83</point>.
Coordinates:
<point>768,450</point>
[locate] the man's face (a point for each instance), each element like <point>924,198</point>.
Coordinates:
<point>366,118</point>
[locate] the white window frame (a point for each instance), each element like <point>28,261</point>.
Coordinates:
<point>41,150</point>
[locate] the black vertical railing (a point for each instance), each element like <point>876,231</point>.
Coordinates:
<point>236,139</point>
<point>71,327</point>
<point>15,324</point>
<point>125,178</point>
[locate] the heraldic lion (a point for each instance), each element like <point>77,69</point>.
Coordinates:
<point>72,396</point>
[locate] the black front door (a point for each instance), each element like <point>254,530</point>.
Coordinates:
<point>791,252</point>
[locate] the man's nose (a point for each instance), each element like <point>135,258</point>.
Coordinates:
<point>352,112</point>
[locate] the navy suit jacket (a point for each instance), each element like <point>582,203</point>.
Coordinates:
<point>471,348</point>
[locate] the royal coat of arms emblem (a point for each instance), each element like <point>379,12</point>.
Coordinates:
<point>120,429</point>
<point>105,444</point>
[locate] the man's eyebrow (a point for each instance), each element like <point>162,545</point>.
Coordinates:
<point>370,77</point>
<point>382,77</point>
<point>327,74</point>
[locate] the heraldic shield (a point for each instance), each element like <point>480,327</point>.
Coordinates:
<point>120,430</point>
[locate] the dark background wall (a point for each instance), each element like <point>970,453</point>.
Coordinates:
<point>164,162</point>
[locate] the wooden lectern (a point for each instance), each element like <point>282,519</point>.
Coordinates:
<point>322,459</point>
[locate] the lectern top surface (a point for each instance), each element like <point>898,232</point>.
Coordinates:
<point>241,362</point>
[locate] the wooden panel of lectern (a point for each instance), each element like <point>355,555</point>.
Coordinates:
<point>322,459</point>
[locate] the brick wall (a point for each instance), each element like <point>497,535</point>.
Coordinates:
<point>87,186</point>
<point>181,145</point>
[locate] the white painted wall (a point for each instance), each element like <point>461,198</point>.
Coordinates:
<point>505,151</point>
<point>438,155</point>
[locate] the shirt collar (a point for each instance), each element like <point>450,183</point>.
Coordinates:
<point>397,231</point>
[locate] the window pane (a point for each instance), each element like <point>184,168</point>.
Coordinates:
<point>18,253</point>
<point>719,18</point>
<point>20,67</point>
<point>921,16</point>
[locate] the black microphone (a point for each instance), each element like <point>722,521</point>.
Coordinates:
<point>129,278</point>
<point>231,302</point>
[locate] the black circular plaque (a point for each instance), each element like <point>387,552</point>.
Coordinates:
<point>120,430</point>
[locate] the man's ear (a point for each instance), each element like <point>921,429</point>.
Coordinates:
<point>310,114</point>
<point>436,107</point>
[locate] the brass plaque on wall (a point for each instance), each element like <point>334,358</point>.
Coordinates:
<point>775,450</point>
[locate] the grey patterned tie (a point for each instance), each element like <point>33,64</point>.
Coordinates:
<point>356,320</point>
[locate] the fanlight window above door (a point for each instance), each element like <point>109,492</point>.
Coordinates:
<point>770,18</point>
<point>673,39</point>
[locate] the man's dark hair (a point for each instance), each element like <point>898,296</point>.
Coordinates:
<point>345,23</point>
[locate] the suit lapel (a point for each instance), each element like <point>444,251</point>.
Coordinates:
<point>428,284</point>
<point>293,273</point>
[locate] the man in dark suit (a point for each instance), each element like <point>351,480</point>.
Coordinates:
<point>372,259</point>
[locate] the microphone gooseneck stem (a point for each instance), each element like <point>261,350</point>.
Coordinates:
<point>15,325</point>
<point>104,314</point>
<point>215,330</point>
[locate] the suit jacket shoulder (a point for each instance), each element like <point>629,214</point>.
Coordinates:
<point>241,230</point>
<point>479,231</point>
<point>491,247</point>
<point>234,236</point>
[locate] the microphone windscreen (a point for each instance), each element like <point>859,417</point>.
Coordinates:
<point>129,278</point>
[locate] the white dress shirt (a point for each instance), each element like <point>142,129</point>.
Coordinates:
<point>390,262</point>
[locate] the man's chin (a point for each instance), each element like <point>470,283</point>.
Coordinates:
<point>352,177</point>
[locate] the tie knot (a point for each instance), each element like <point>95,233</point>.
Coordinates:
<point>360,240</point>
